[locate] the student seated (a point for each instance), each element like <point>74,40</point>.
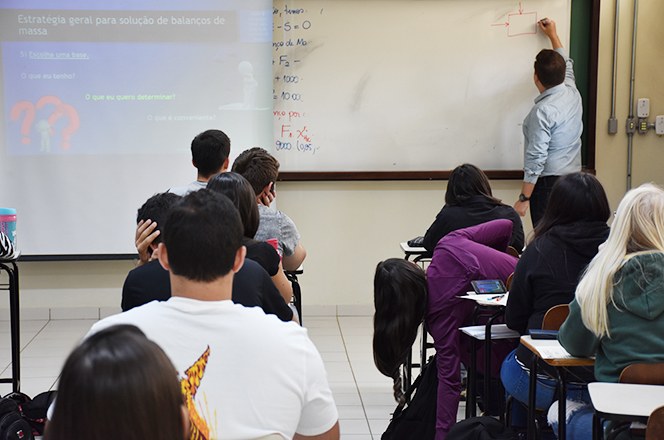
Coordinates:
<point>617,314</point>
<point>252,285</point>
<point>118,385</point>
<point>469,202</point>
<point>565,240</point>
<point>245,374</point>
<point>239,191</point>
<point>464,255</point>
<point>261,169</point>
<point>209,154</point>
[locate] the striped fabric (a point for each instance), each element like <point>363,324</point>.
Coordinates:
<point>7,251</point>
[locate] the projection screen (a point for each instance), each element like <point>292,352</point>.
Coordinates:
<point>100,102</point>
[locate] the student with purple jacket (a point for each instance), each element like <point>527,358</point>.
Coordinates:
<point>473,253</point>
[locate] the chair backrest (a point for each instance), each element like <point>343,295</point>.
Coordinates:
<point>511,250</point>
<point>555,316</point>
<point>508,283</point>
<point>643,373</point>
<point>655,428</point>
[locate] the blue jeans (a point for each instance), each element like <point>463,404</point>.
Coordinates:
<point>516,381</point>
<point>579,422</point>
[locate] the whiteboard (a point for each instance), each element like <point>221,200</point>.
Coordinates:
<point>396,85</point>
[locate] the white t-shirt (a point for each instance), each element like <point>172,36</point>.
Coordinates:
<point>255,374</point>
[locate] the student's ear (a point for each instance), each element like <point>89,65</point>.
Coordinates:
<point>162,254</point>
<point>239,259</point>
<point>224,167</point>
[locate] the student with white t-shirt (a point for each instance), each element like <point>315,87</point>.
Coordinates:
<point>244,374</point>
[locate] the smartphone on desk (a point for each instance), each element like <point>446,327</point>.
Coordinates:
<point>483,287</point>
<point>537,333</point>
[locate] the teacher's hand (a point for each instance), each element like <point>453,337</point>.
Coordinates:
<point>521,207</point>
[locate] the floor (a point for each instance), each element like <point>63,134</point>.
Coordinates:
<point>363,395</point>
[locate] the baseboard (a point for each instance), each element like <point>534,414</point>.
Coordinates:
<point>95,313</point>
<point>60,313</point>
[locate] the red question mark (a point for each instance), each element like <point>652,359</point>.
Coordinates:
<point>74,123</point>
<point>46,100</point>
<point>29,109</point>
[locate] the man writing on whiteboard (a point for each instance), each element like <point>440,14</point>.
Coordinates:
<point>552,129</point>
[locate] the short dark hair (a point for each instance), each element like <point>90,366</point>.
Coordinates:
<point>574,197</point>
<point>550,68</point>
<point>156,208</point>
<point>400,299</point>
<point>257,166</point>
<point>117,384</point>
<point>209,151</point>
<point>239,191</point>
<point>468,181</point>
<point>202,234</point>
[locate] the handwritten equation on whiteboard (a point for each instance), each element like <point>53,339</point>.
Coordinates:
<point>291,37</point>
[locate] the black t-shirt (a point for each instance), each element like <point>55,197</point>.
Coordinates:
<point>252,287</point>
<point>264,254</point>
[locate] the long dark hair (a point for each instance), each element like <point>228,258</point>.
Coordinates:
<point>400,298</point>
<point>468,181</point>
<point>574,197</point>
<point>118,385</point>
<point>239,190</point>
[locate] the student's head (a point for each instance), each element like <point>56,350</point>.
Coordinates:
<point>202,237</point>
<point>575,197</point>
<point>210,151</point>
<point>239,191</point>
<point>118,385</point>
<point>259,167</point>
<point>400,299</point>
<point>155,208</point>
<point>467,181</point>
<point>638,226</point>
<point>550,68</point>
<point>639,222</point>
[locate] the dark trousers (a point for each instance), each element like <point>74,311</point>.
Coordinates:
<point>540,197</point>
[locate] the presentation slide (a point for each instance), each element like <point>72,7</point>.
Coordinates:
<point>100,101</point>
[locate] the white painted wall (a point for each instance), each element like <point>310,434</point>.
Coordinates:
<point>347,227</point>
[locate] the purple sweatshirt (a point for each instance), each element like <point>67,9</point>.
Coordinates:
<point>461,256</point>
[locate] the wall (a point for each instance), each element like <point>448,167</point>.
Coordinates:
<point>347,227</point>
<point>648,151</point>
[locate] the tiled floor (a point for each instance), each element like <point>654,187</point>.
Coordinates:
<point>363,395</point>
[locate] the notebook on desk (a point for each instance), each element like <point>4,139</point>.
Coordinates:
<point>487,299</point>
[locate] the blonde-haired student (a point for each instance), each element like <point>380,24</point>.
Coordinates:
<point>618,311</point>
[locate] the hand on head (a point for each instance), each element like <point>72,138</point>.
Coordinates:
<point>267,195</point>
<point>146,232</point>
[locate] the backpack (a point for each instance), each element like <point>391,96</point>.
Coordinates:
<point>416,419</point>
<point>481,428</point>
<point>12,424</point>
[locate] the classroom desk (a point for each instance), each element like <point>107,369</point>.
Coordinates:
<point>11,269</point>
<point>635,402</point>
<point>409,251</point>
<point>551,352</point>
<point>486,333</point>
<point>291,275</point>
<point>419,253</point>
<point>487,306</point>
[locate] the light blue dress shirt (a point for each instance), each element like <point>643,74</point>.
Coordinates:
<point>552,130</point>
